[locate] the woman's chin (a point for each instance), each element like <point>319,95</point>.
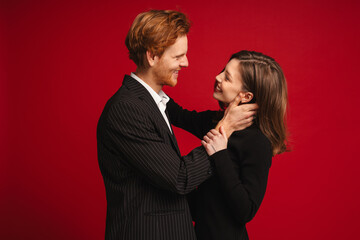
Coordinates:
<point>217,97</point>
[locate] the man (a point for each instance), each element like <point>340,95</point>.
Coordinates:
<point>145,176</point>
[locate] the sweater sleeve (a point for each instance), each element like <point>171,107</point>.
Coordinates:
<point>197,123</point>
<point>243,170</point>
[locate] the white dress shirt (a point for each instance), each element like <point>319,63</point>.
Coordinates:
<point>160,99</point>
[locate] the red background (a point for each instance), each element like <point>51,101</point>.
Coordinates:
<point>61,60</point>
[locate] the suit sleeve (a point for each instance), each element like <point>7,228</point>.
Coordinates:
<point>245,185</point>
<point>197,123</point>
<point>144,150</point>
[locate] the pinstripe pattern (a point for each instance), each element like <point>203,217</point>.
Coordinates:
<point>145,177</point>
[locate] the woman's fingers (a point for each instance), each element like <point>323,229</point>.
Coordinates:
<point>207,139</point>
<point>210,135</point>
<point>208,147</point>
<point>215,132</point>
<point>223,132</point>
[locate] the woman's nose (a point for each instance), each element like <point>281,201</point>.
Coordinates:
<point>218,78</point>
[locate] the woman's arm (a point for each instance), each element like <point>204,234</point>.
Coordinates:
<point>197,123</point>
<point>244,182</point>
<point>236,117</point>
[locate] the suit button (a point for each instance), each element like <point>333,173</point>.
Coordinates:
<point>209,171</point>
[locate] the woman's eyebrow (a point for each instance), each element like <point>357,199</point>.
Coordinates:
<point>226,72</point>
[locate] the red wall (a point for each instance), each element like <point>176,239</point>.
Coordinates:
<point>61,60</point>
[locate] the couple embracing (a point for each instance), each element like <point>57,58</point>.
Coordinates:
<point>152,191</point>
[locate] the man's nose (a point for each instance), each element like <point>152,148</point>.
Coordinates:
<point>184,62</point>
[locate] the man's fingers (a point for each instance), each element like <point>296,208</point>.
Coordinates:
<point>249,119</point>
<point>251,115</point>
<point>236,102</point>
<point>248,112</point>
<point>248,122</point>
<point>251,107</point>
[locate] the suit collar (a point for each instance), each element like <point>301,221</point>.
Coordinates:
<point>158,97</point>
<point>135,87</point>
<point>140,91</point>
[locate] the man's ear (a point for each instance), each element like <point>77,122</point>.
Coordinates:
<point>151,58</point>
<point>246,97</point>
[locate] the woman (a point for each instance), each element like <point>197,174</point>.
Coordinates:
<point>223,204</point>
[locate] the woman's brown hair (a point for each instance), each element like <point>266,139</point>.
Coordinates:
<point>154,31</point>
<point>263,76</point>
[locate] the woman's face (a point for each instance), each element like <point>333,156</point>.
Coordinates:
<point>228,83</point>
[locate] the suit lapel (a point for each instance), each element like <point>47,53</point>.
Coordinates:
<point>172,136</point>
<point>138,90</point>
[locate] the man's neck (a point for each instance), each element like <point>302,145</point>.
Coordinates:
<point>149,79</point>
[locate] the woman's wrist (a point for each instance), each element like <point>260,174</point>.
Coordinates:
<point>227,128</point>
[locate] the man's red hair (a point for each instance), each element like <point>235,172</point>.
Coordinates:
<point>154,31</point>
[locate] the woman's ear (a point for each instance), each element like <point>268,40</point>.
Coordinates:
<point>151,58</point>
<point>246,97</point>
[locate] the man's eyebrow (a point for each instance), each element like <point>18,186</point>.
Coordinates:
<point>180,55</point>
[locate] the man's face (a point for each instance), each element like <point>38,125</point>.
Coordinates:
<point>166,69</point>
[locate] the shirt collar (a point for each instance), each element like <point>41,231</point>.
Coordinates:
<point>161,97</point>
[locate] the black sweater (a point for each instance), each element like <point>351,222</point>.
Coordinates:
<point>223,204</point>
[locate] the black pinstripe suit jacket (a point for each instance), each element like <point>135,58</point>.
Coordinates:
<point>145,176</point>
